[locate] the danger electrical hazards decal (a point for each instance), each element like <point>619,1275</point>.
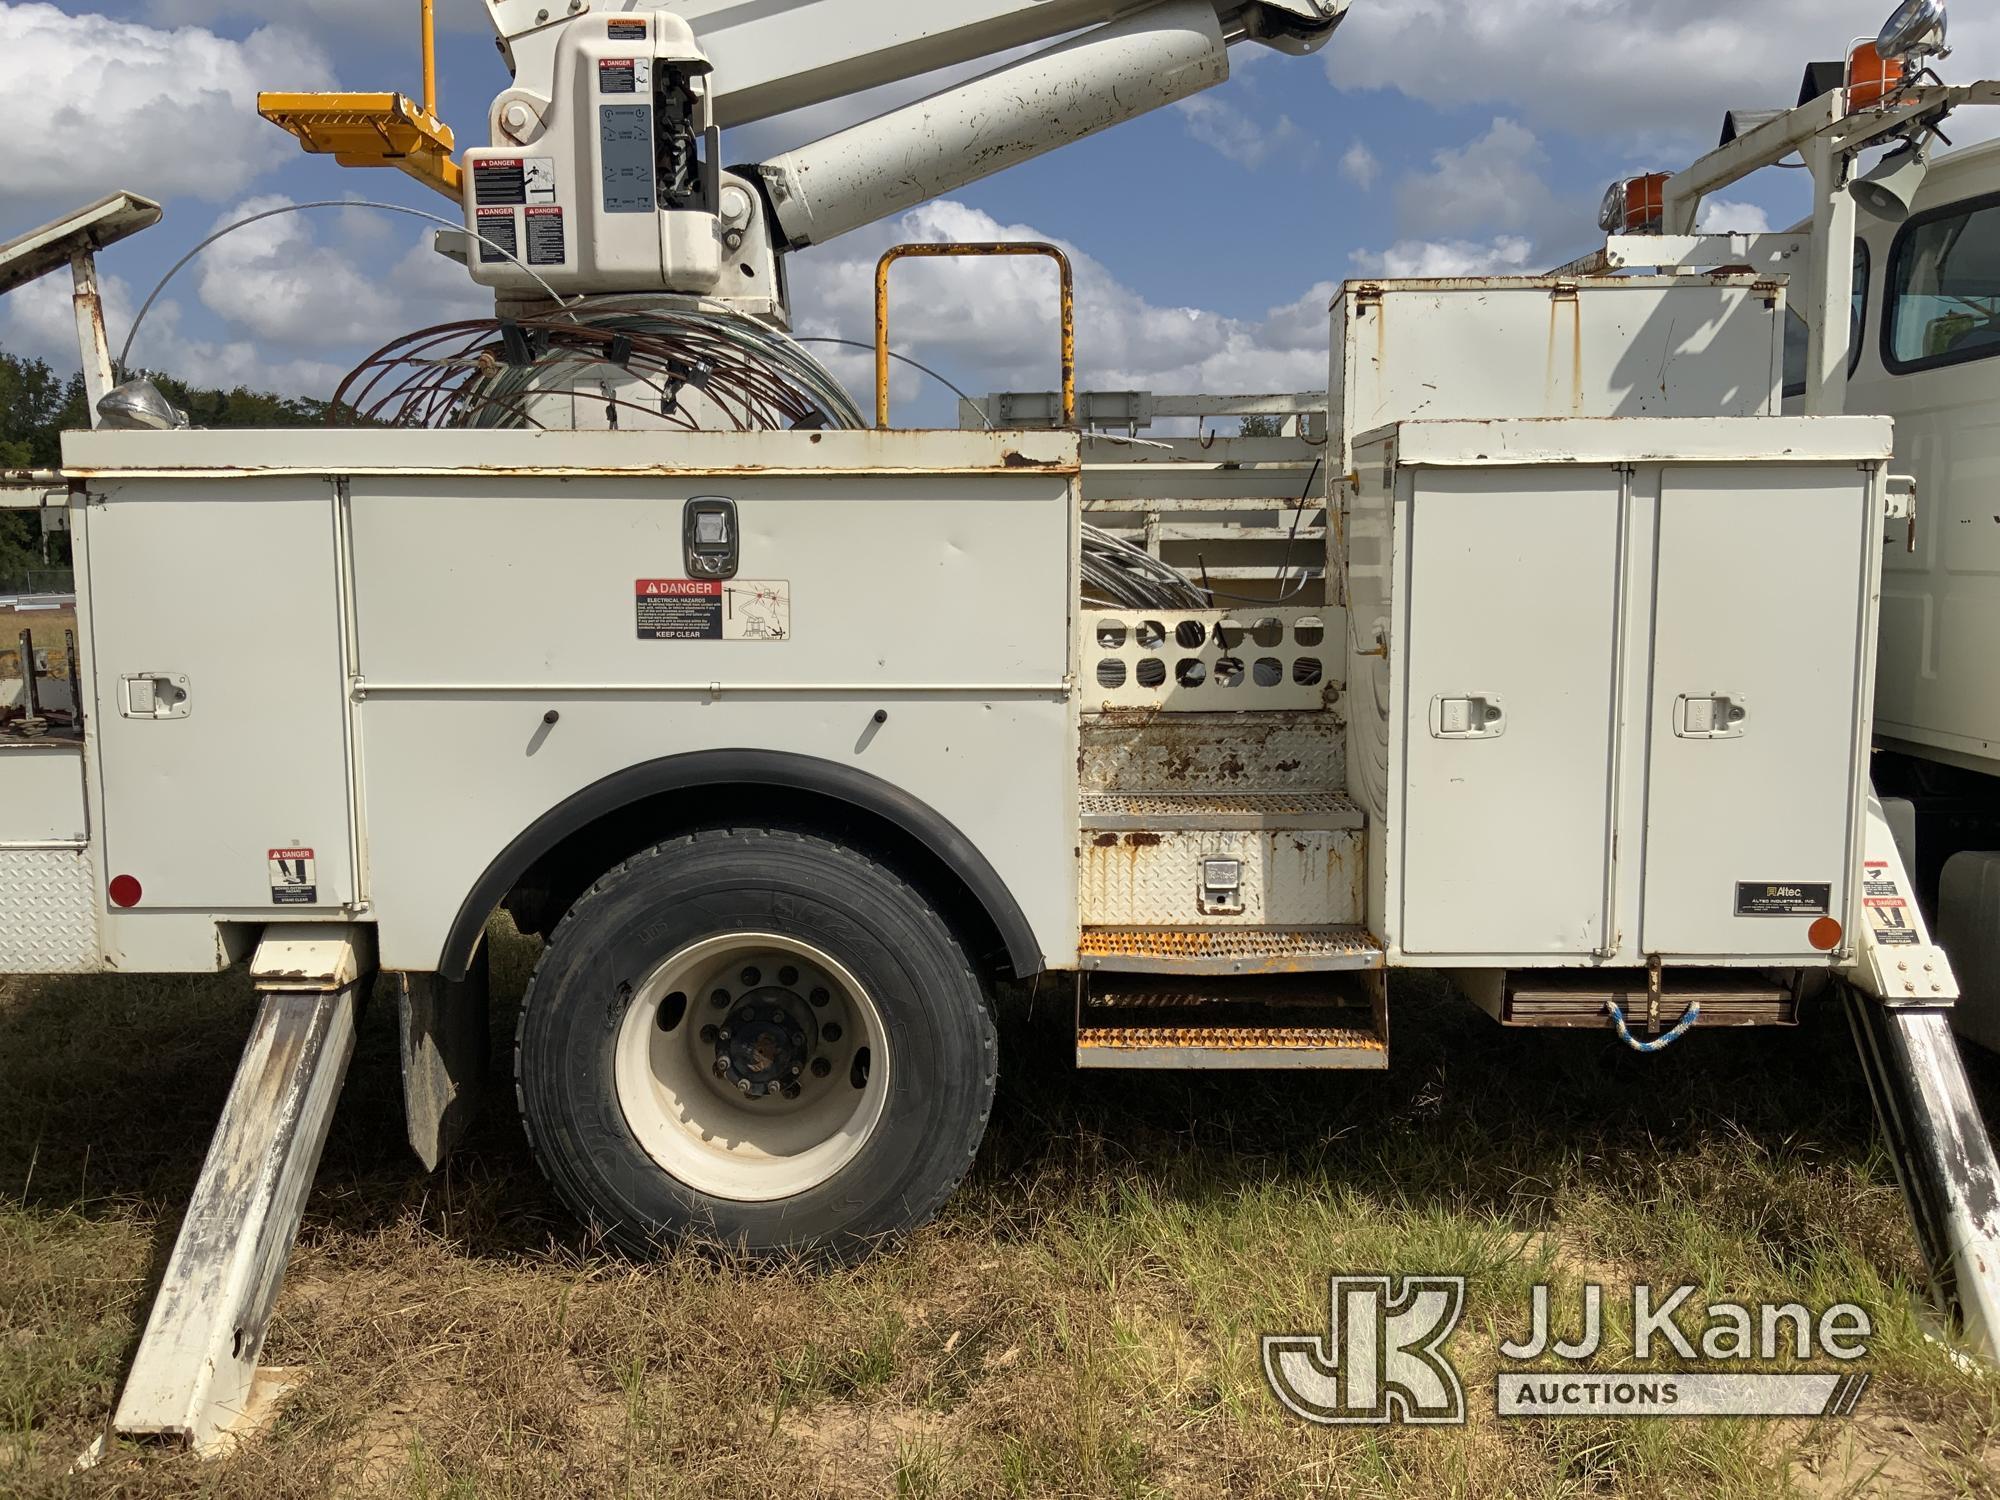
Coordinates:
<point>1882,899</point>
<point>624,75</point>
<point>714,609</point>
<point>294,877</point>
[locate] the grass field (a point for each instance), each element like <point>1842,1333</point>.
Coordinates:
<point>1082,1321</point>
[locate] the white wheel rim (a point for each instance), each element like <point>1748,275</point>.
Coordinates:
<point>784,1100</point>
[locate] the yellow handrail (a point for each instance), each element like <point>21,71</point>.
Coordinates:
<point>989,247</point>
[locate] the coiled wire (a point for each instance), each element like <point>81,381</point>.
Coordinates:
<point>487,372</point>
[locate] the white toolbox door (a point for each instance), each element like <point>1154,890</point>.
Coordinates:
<point>1511,607</point>
<point>221,718</point>
<point>1758,617</point>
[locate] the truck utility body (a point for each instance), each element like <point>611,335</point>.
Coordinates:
<point>792,740</point>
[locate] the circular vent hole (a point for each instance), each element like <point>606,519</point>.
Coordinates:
<point>1309,631</point>
<point>1111,673</point>
<point>1152,672</point>
<point>1189,634</point>
<point>1151,634</point>
<point>1306,670</point>
<point>1110,634</point>
<point>1229,671</point>
<point>1268,671</point>
<point>1190,672</point>
<point>1268,631</point>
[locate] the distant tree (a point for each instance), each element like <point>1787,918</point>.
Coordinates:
<point>1262,426</point>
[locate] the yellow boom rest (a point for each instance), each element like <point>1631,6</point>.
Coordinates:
<point>370,130</point>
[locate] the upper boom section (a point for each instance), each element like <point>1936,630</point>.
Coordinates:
<point>771,56</point>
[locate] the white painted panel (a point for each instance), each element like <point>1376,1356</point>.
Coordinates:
<point>232,586</point>
<point>1512,592</point>
<point>1760,592</point>
<point>894,579</point>
<point>41,793</point>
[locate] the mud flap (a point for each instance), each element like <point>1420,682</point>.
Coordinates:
<point>446,1049</point>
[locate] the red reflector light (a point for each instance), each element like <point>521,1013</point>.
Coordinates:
<point>124,891</point>
<point>1824,934</point>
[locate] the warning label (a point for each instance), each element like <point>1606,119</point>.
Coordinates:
<point>711,609</point>
<point>624,75</point>
<point>294,877</point>
<point>499,236</point>
<point>499,179</point>
<point>545,236</point>
<point>502,180</point>
<point>1778,898</point>
<point>625,31</point>
<point>1889,919</point>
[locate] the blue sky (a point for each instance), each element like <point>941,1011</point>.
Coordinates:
<point>1430,136</point>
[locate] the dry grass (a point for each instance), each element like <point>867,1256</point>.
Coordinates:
<point>1082,1321</point>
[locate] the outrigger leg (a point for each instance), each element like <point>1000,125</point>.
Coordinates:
<point>195,1379</point>
<point>1899,996</point>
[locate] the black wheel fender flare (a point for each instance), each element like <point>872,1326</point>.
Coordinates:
<point>773,768</point>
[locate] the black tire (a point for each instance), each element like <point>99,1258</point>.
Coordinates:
<point>934,1012</point>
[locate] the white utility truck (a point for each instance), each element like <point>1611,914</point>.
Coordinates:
<point>792,735</point>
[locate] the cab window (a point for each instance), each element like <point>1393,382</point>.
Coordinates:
<point>1944,288</point>
<point>1797,336</point>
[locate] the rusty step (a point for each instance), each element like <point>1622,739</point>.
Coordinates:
<point>1222,811</point>
<point>1282,1022</point>
<point>1227,950</point>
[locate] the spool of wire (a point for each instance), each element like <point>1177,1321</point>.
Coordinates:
<point>684,368</point>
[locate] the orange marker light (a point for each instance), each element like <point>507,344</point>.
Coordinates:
<point>1871,77</point>
<point>1824,934</point>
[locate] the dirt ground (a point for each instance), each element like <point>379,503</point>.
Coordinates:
<point>1082,1321</point>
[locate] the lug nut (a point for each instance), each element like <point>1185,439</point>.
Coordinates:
<point>819,997</point>
<point>795,1070</point>
<point>790,1091</point>
<point>831,1031</point>
<point>745,1085</point>
<point>788,976</point>
<point>798,1038</point>
<point>721,1069</point>
<point>821,1067</point>
<point>719,999</point>
<point>722,1033</point>
<point>749,976</point>
<point>710,1034</point>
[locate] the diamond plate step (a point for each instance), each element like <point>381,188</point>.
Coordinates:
<point>1227,950</point>
<point>1280,1022</point>
<point>1226,811</point>
<point>1137,750</point>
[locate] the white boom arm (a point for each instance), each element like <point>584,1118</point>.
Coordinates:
<point>604,174</point>
<point>786,54</point>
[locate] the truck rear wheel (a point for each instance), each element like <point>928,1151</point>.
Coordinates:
<point>757,1037</point>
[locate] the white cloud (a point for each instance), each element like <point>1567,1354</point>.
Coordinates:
<point>1504,255</point>
<point>1359,165</point>
<point>390,17</point>
<point>1723,216</point>
<point>1491,183</point>
<point>1620,66</point>
<point>1223,127</point>
<point>293,302</point>
<point>278,281</point>
<point>990,325</point>
<point>36,322</point>
<point>89,104</point>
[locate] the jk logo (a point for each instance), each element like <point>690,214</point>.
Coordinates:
<point>1382,1358</point>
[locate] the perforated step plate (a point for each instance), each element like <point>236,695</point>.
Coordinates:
<point>1227,950</point>
<point>1122,811</point>
<point>1228,1023</point>
<point>1201,754</point>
